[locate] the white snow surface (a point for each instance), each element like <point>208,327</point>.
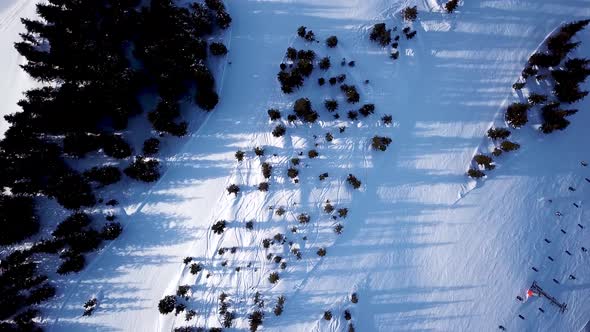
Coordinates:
<point>424,247</point>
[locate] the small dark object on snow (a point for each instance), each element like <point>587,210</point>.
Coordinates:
<point>582,227</point>
<point>576,205</point>
<point>535,269</point>
<point>558,214</point>
<point>567,252</point>
<point>571,189</point>
<point>555,281</point>
<point>366,81</point>
<point>584,249</point>
<point>519,298</point>
<point>521,317</point>
<point>502,328</point>
<point>587,179</point>
<point>547,241</point>
<point>550,258</point>
<point>351,64</point>
<point>563,231</point>
<point>584,163</point>
<point>572,277</point>
<point>541,310</point>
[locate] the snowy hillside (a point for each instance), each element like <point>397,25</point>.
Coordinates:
<point>424,247</point>
<point>14,81</point>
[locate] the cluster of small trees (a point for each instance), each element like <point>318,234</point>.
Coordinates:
<point>305,34</point>
<point>380,142</point>
<point>381,34</point>
<point>567,79</point>
<point>301,66</point>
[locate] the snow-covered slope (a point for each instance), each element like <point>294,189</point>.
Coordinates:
<point>424,248</point>
<point>13,80</point>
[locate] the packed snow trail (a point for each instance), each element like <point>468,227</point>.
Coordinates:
<point>417,259</point>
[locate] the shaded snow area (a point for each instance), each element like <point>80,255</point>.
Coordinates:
<point>424,247</point>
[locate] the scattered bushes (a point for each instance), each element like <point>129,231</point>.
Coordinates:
<point>353,181</point>
<point>111,231</point>
<point>263,186</point>
<point>498,133</point>
<point>354,298</point>
<point>312,154</point>
<point>352,115</point>
<point>451,5</point>
<point>331,105</point>
<point>240,155</point>
<point>554,118</point>
<point>332,41</point>
<point>410,13</point>
<point>292,173</point>
<point>167,304</point>
<point>266,170</point>
<point>274,114</point>
<point>323,176</point>
<point>536,99</point>
<point>342,212</point>
<point>218,49</point>
<point>219,227</point>
<point>303,218</point>
<point>115,146</point>
<point>329,137</point>
<point>327,315</point>
<point>516,114</point>
<point>273,278</point>
<point>233,189</point>
<point>338,229</point>
<point>151,146</point>
<point>321,252</point>
<point>278,309</point>
<point>307,35</point>
<point>325,63</point>
<point>258,151</point>
<point>74,262</point>
<point>380,143</point>
<point>255,319</point>
<point>279,131</point>
<point>352,96</point>
<point>146,170</point>
<point>484,160</point>
<point>508,146</point>
<point>475,173</point>
<point>367,109</point>
<point>303,110</point>
<point>387,119</point>
<point>381,34</point>
<point>103,175</point>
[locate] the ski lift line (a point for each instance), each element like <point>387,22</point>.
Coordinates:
<point>536,289</point>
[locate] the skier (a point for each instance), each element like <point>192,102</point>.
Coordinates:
<point>571,189</point>
<point>584,249</point>
<point>584,163</point>
<point>502,328</point>
<point>558,214</point>
<point>571,277</point>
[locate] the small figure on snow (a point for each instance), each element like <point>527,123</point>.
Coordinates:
<point>584,163</point>
<point>502,328</point>
<point>572,277</point>
<point>584,249</point>
<point>576,205</point>
<point>558,214</point>
<point>571,188</point>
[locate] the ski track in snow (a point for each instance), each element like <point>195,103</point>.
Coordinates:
<point>419,258</point>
